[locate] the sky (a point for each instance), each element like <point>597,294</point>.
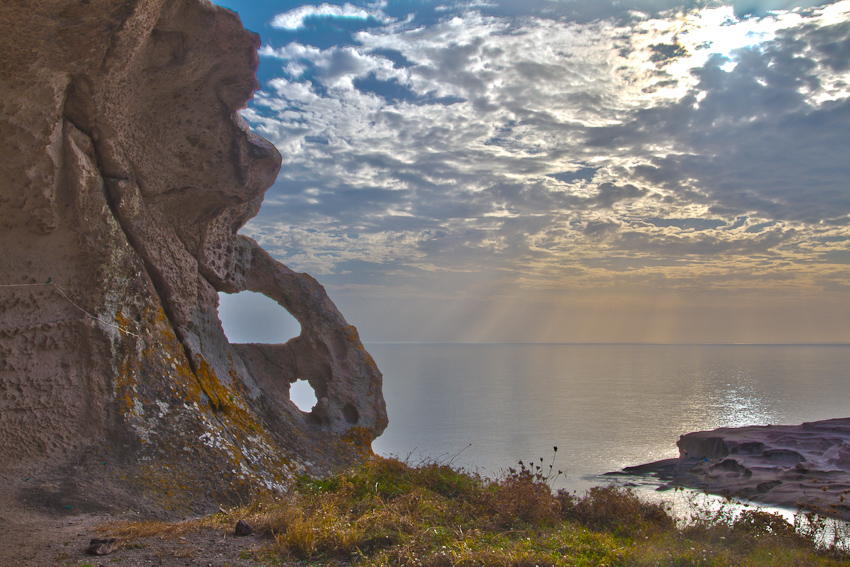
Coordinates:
<point>558,170</point>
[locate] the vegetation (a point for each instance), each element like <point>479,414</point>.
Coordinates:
<point>386,512</point>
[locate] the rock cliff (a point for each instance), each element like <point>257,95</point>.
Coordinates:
<point>804,465</point>
<point>125,174</point>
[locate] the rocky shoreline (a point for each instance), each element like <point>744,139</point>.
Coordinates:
<point>806,465</point>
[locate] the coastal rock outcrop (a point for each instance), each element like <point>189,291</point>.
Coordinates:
<point>785,465</point>
<point>126,173</point>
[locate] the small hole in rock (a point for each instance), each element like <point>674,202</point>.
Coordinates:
<point>250,317</point>
<point>350,413</point>
<point>302,395</point>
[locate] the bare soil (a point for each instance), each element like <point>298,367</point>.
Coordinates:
<point>36,534</point>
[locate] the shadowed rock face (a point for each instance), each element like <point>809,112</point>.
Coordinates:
<point>125,173</point>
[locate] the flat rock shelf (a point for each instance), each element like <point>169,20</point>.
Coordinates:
<point>806,465</point>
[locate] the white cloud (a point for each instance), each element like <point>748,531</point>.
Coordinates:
<point>442,145</point>
<point>335,67</point>
<point>296,18</point>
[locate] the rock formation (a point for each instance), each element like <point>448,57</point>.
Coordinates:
<point>125,174</point>
<point>802,465</point>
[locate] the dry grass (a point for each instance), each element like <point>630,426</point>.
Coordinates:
<point>132,530</point>
<point>617,510</point>
<point>385,512</point>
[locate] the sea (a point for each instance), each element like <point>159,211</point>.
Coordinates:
<point>485,407</point>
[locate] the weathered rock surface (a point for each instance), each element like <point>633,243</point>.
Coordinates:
<point>125,173</point>
<point>784,465</point>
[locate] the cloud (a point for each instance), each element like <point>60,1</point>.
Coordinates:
<point>762,136</point>
<point>763,7</point>
<point>583,174</point>
<point>530,147</point>
<point>301,17</point>
<point>607,9</point>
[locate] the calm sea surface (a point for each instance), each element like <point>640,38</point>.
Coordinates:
<point>605,407</point>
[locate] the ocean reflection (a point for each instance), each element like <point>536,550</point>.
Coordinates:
<point>604,406</point>
<point>737,403</point>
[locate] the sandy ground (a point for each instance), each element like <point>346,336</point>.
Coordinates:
<point>33,540</point>
<point>32,535</point>
<point>39,541</point>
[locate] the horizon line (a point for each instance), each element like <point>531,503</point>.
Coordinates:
<point>594,343</point>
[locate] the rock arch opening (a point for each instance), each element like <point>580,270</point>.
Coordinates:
<point>249,317</point>
<point>302,395</point>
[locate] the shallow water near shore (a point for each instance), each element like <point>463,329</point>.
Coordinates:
<point>484,407</point>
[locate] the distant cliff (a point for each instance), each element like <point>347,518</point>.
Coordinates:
<point>125,173</point>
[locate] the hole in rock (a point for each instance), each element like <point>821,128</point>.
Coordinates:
<point>302,395</point>
<point>250,317</point>
<point>350,413</point>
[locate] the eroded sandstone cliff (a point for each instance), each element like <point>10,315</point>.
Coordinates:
<point>125,174</point>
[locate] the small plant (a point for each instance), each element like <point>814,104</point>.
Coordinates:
<point>537,472</point>
<point>826,526</point>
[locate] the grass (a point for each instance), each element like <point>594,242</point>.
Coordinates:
<point>387,512</point>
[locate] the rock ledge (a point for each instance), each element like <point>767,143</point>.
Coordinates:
<point>804,465</point>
